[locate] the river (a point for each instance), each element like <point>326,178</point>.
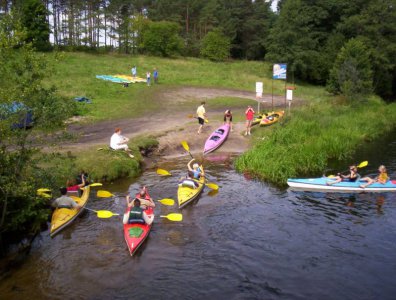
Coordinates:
<point>250,240</point>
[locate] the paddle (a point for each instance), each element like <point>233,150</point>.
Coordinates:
<point>173,217</point>
<point>43,190</point>
<point>192,116</point>
<point>186,147</point>
<point>361,165</point>
<point>163,172</point>
<point>95,184</point>
<point>167,201</point>
<point>103,214</point>
<point>104,194</point>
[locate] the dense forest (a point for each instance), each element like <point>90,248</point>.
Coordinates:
<point>307,35</point>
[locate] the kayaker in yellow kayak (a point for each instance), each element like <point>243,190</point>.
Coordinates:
<point>64,201</point>
<point>137,215</point>
<point>189,181</point>
<point>197,172</point>
<point>351,177</point>
<point>381,178</point>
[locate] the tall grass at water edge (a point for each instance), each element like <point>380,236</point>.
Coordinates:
<point>303,143</point>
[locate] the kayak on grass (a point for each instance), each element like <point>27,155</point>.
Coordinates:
<point>271,118</point>
<point>217,138</point>
<point>343,186</point>
<point>135,234</point>
<point>62,217</point>
<point>257,119</point>
<point>186,195</point>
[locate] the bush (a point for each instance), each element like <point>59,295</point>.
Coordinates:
<point>215,46</point>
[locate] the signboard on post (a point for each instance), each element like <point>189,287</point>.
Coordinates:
<point>259,94</point>
<point>279,71</point>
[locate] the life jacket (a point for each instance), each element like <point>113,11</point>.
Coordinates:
<point>136,215</point>
<point>196,173</point>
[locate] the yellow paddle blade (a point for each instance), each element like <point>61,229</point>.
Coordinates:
<point>185,146</point>
<point>43,194</point>
<point>174,217</point>
<point>104,194</point>
<point>206,121</point>
<point>163,172</point>
<point>330,176</point>
<point>43,190</point>
<point>363,164</point>
<point>212,186</point>
<point>96,184</point>
<point>190,116</point>
<point>167,201</point>
<point>104,214</point>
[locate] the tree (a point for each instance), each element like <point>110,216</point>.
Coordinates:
<point>21,74</point>
<point>352,74</point>
<point>215,46</point>
<point>162,39</point>
<point>34,19</point>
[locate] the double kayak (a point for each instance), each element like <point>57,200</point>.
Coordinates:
<point>135,234</point>
<point>271,118</point>
<point>217,138</point>
<point>186,194</point>
<point>62,217</point>
<point>343,186</point>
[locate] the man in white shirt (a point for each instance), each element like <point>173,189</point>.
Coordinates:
<point>201,114</point>
<point>120,142</point>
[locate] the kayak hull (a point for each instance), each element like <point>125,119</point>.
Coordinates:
<point>62,217</point>
<point>343,186</point>
<point>186,195</point>
<point>217,138</point>
<point>134,243</point>
<point>271,118</point>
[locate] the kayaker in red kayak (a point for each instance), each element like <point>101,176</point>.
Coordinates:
<point>137,215</point>
<point>381,178</point>
<point>351,177</point>
<point>228,118</point>
<point>142,196</point>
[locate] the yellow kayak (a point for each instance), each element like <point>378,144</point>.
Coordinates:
<point>186,195</point>
<point>62,217</point>
<point>271,118</point>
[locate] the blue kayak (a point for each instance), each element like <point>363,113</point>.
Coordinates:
<point>343,186</point>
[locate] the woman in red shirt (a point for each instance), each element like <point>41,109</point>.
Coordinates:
<point>249,113</point>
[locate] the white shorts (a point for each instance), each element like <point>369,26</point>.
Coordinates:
<point>119,147</point>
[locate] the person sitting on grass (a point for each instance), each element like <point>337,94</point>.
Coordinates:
<point>142,197</point>
<point>137,215</point>
<point>197,172</point>
<point>64,201</point>
<point>381,178</point>
<point>351,177</point>
<point>120,142</point>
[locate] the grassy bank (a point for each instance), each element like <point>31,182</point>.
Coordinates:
<point>303,143</point>
<point>74,75</point>
<point>102,164</point>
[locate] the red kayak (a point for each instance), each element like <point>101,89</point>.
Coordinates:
<point>136,234</point>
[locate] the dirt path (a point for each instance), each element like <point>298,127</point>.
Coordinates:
<point>171,130</point>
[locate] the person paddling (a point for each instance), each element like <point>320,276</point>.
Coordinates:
<point>197,172</point>
<point>351,177</point>
<point>64,201</point>
<point>137,215</point>
<point>145,200</point>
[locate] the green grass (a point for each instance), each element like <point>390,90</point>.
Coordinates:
<point>303,143</point>
<point>74,75</point>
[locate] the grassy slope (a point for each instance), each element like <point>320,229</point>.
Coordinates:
<point>74,75</point>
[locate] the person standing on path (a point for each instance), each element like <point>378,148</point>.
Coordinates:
<point>134,71</point>
<point>228,118</point>
<point>148,75</point>
<point>155,75</point>
<point>201,114</point>
<point>249,113</point>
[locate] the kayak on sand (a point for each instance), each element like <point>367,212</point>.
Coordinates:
<point>343,186</point>
<point>217,138</point>
<point>135,234</point>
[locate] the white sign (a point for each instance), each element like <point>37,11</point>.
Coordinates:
<point>289,95</point>
<point>259,89</point>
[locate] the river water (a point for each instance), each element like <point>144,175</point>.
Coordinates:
<point>251,240</point>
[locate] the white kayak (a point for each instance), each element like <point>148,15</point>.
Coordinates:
<point>343,186</point>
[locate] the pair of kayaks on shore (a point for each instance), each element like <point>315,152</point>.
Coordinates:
<point>322,184</point>
<point>267,119</point>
